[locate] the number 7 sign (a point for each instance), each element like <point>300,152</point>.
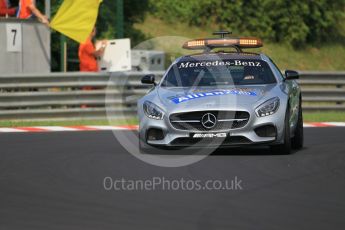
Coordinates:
<point>14,37</point>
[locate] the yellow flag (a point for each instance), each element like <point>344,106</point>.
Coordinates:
<point>76,18</point>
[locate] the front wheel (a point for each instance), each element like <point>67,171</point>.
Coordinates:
<point>284,148</point>
<point>145,148</point>
<point>298,139</point>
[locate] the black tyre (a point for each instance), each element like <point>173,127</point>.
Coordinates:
<point>144,148</point>
<point>298,139</point>
<point>142,145</point>
<point>284,148</point>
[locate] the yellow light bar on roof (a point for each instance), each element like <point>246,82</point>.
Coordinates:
<point>196,43</point>
<point>248,42</point>
<point>211,43</point>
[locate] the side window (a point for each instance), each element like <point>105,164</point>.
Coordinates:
<point>275,69</point>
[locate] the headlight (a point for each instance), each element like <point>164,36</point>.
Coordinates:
<point>268,108</point>
<point>153,111</point>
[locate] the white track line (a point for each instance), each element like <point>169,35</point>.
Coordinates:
<point>56,128</point>
<point>338,124</point>
<point>10,130</point>
<point>305,125</point>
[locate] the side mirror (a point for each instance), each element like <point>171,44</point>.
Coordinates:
<point>291,75</point>
<point>148,79</point>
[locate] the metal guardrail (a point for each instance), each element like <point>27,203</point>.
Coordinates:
<point>66,95</point>
<point>323,90</point>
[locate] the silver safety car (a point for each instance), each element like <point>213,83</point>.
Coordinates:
<point>218,98</point>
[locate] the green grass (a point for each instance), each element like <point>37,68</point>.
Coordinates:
<point>324,116</point>
<point>324,57</point>
<point>130,121</point>
<point>308,117</point>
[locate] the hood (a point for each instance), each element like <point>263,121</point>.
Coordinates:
<point>201,97</point>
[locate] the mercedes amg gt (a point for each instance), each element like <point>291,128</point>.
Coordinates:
<point>218,98</point>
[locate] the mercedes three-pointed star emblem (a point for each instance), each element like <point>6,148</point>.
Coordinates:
<point>209,120</point>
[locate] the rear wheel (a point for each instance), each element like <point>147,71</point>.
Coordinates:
<point>298,139</point>
<point>284,148</point>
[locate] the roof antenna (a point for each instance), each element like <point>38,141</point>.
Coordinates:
<point>222,33</point>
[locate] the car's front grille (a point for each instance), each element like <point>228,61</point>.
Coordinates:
<point>225,120</point>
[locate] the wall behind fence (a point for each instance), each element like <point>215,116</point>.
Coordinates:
<point>24,46</point>
<point>68,96</point>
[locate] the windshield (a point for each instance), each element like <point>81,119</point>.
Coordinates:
<point>218,73</point>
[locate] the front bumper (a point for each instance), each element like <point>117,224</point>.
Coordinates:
<point>246,135</point>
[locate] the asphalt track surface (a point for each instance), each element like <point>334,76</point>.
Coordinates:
<point>55,181</point>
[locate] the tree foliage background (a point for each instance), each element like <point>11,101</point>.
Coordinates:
<point>295,22</point>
